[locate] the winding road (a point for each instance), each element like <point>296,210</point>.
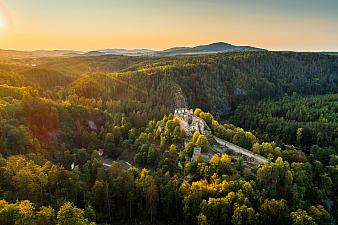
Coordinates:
<point>242,151</point>
<point>107,163</point>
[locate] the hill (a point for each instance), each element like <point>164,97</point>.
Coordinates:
<point>67,123</point>
<point>217,83</point>
<point>218,47</point>
<point>213,48</point>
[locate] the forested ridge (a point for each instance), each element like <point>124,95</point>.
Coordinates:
<point>217,83</point>
<point>58,113</point>
<point>310,123</point>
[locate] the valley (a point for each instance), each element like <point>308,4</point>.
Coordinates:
<point>222,138</point>
<point>160,112</point>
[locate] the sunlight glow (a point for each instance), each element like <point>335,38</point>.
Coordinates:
<point>2,22</point>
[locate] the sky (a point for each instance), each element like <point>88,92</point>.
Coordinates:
<point>297,25</point>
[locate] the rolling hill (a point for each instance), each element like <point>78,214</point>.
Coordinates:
<point>213,48</point>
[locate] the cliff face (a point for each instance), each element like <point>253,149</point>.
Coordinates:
<point>178,98</point>
<point>171,94</point>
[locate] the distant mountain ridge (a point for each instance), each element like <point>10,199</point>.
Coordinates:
<point>212,48</point>
<point>128,52</point>
<point>217,47</point>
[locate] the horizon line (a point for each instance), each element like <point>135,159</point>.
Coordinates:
<point>163,49</point>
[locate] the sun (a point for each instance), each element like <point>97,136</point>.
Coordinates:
<point>2,24</point>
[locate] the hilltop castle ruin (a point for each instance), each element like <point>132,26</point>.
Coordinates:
<point>190,123</point>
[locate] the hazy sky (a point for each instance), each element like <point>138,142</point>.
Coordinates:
<point>302,25</point>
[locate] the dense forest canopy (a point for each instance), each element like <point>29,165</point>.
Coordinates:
<point>58,113</point>
<point>217,83</point>
<point>310,123</point>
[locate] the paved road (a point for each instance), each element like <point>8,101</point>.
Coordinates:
<point>106,164</point>
<point>124,164</point>
<point>242,151</point>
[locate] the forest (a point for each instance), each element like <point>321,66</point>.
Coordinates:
<point>310,122</point>
<point>58,113</point>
